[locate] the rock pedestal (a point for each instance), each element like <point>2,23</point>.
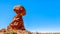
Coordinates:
<point>17,23</point>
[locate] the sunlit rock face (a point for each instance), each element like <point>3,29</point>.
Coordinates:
<point>17,23</point>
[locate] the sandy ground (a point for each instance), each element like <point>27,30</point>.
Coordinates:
<point>1,33</point>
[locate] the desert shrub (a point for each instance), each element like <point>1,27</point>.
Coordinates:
<point>10,33</point>
<point>6,33</point>
<point>13,33</point>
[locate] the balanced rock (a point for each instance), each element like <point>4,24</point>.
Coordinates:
<point>17,23</point>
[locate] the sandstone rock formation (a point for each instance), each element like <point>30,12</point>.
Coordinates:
<point>17,23</point>
<point>19,32</point>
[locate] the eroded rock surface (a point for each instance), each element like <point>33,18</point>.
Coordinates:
<point>17,23</point>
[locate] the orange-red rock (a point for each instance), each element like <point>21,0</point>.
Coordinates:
<point>17,22</point>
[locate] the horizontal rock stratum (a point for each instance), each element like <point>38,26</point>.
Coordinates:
<point>16,32</point>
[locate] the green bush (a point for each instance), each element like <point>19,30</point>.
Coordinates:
<point>13,33</point>
<point>6,33</point>
<point>10,33</point>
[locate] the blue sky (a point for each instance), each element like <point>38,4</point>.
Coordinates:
<point>41,15</point>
